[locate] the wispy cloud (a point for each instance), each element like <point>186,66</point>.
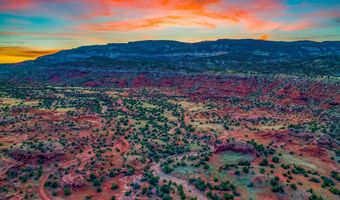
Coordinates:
<point>192,13</point>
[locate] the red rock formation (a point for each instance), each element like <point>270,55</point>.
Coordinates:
<point>236,146</point>
<point>73,180</point>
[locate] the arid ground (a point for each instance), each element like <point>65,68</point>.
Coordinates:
<point>175,137</point>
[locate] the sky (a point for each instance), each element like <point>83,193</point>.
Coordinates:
<point>32,28</point>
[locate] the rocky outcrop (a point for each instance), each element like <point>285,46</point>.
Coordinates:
<point>49,151</point>
<point>236,146</point>
<point>323,141</point>
<point>73,181</point>
<point>22,154</point>
<point>305,136</point>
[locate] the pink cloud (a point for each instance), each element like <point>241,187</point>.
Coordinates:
<point>254,16</point>
<point>10,5</point>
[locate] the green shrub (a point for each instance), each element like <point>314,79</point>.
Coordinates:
<point>276,159</point>
<point>335,191</point>
<point>114,186</point>
<point>315,180</point>
<point>264,162</point>
<point>67,191</point>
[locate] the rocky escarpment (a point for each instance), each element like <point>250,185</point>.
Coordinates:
<point>236,146</point>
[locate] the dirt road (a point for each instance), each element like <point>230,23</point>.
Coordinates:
<point>43,195</point>
<point>42,192</point>
<point>188,188</point>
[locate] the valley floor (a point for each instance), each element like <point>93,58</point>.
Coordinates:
<point>242,141</point>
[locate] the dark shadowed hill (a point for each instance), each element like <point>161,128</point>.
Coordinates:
<point>246,56</point>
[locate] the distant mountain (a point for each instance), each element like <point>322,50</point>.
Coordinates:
<point>179,51</point>
<point>224,55</point>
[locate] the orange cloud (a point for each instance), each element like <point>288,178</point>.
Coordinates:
<point>141,14</point>
<point>189,4</point>
<point>18,54</point>
<point>157,4</point>
<point>193,13</point>
<point>157,22</point>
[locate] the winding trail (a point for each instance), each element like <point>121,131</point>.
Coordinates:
<point>42,192</point>
<point>188,188</point>
<point>125,145</point>
<point>43,195</point>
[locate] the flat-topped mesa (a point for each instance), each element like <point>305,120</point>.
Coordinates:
<point>91,63</point>
<point>174,50</point>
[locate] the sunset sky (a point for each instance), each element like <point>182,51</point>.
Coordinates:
<point>31,28</point>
